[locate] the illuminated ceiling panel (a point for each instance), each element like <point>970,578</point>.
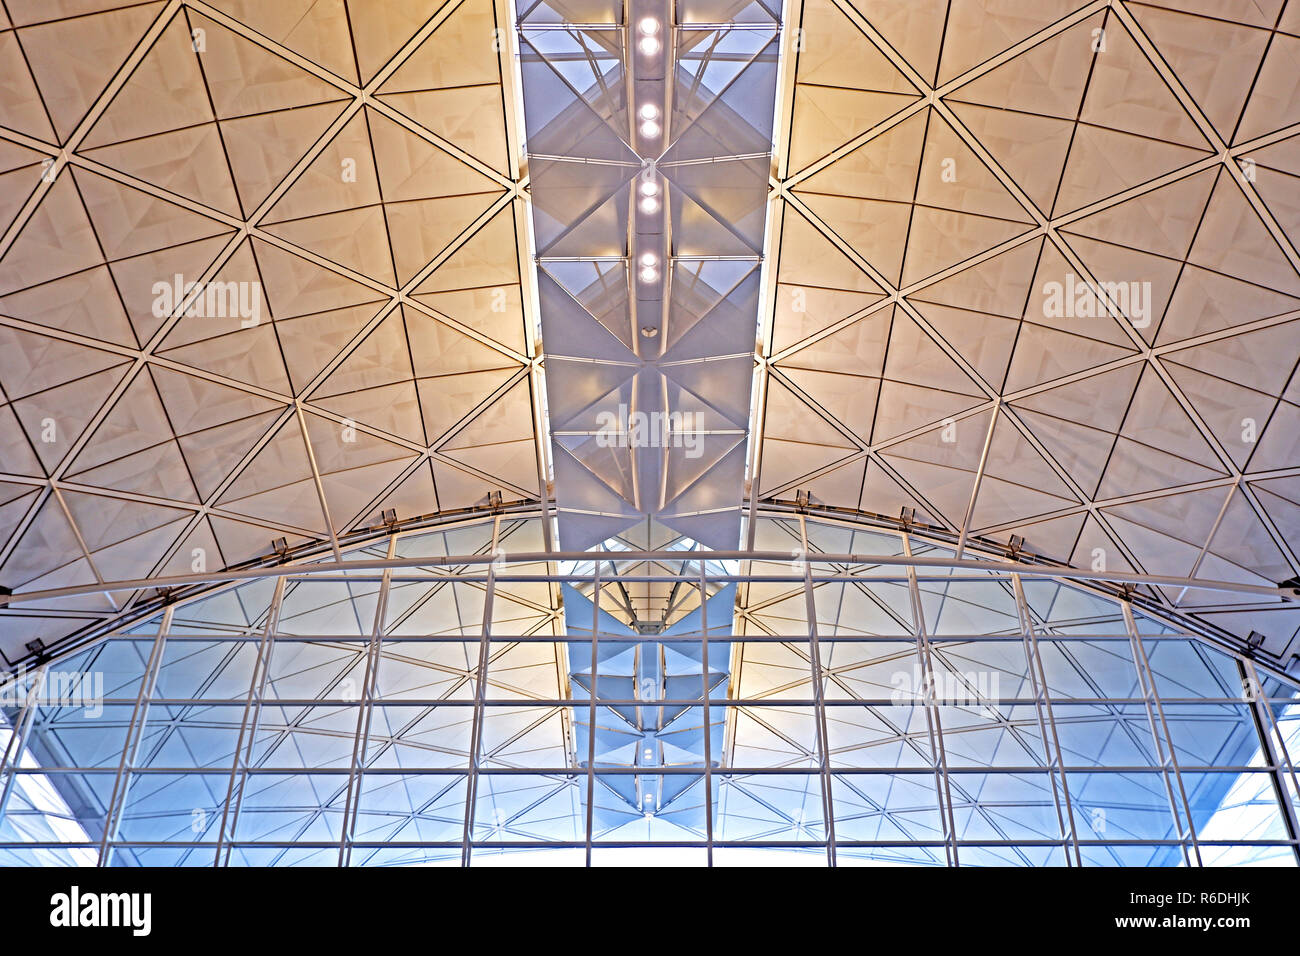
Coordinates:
<point>260,278</point>
<point>648,150</point>
<point>1036,275</point>
<point>277,279</point>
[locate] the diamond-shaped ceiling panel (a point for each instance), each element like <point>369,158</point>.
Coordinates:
<point>649,223</point>
<point>1037,274</point>
<point>1031,269</point>
<point>260,278</point>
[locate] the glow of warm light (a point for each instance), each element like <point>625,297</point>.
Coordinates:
<point>649,26</point>
<point>649,260</point>
<point>649,129</point>
<point>649,275</point>
<point>649,112</point>
<point>649,205</point>
<point>648,45</point>
<point>649,188</point>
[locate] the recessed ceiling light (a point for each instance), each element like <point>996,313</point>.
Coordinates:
<point>648,45</point>
<point>648,26</point>
<point>650,129</point>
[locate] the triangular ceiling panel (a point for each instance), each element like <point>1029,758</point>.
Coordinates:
<point>846,85</point>
<point>73,59</point>
<point>252,111</point>
<point>316,29</point>
<point>353,175</point>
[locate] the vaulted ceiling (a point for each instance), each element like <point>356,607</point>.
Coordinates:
<point>943,165</point>
<point>940,167</point>
<point>350,166</point>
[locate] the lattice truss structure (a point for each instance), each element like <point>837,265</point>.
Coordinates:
<point>321,673</point>
<point>947,163</point>
<point>352,172</point>
<point>844,688</point>
<point>672,343</point>
<point>852,712</point>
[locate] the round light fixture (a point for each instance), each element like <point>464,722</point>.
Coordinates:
<point>649,188</point>
<point>649,260</point>
<point>649,275</point>
<point>648,26</point>
<point>649,205</point>
<point>650,129</point>
<point>648,45</point>
<point>649,112</point>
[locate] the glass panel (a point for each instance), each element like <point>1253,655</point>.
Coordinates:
<point>904,746</point>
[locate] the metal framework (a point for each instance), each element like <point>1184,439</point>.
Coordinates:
<point>906,357</point>
<point>405,676</point>
<point>310,439</point>
<point>425,701</point>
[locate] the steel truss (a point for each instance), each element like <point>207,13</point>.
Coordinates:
<point>410,704</point>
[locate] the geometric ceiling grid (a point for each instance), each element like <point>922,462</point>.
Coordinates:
<point>1036,273</point>
<point>648,176</point>
<point>261,277</point>
<point>940,281</point>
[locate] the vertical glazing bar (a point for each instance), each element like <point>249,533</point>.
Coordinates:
<point>708,725</point>
<point>1156,720</point>
<point>1046,723</point>
<point>480,698</point>
<point>819,701</point>
<point>131,746</point>
<point>591,712</point>
<point>933,723</point>
<point>1273,746</point>
<point>248,728</point>
<point>365,709</point>
<point>12,757</point>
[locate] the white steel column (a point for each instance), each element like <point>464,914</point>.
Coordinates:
<point>1047,725</point>
<point>131,746</point>
<point>934,725</point>
<point>1272,743</point>
<point>591,710</point>
<point>1164,750</point>
<point>365,710</point>
<point>819,699</point>
<point>12,757</point>
<point>248,729</point>
<point>480,699</point>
